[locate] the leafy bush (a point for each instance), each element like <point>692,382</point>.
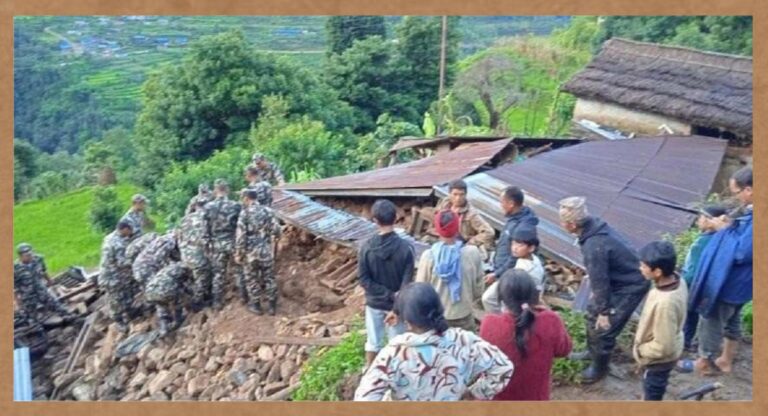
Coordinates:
<point>105,209</point>
<point>563,369</point>
<point>326,370</point>
<point>172,194</point>
<point>746,318</point>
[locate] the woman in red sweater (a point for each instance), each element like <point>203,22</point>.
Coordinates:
<point>531,335</point>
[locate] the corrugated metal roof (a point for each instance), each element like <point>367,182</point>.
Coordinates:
<point>639,186</point>
<point>22,375</point>
<point>418,142</point>
<point>420,175</point>
<point>328,223</point>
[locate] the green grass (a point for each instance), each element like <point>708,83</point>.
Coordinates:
<point>567,371</point>
<point>323,374</point>
<point>59,229</point>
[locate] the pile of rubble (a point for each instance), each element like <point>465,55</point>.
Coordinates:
<point>216,355</point>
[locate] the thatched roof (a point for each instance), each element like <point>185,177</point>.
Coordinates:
<point>701,88</point>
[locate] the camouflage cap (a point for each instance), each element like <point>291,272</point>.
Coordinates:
<point>140,198</point>
<point>24,248</point>
<point>203,188</point>
<point>258,157</point>
<point>220,182</point>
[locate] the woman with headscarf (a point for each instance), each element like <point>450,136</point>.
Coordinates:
<point>531,335</point>
<point>455,271</point>
<point>431,361</point>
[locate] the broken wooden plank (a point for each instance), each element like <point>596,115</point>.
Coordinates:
<point>282,394</point>
<point>346,280</point>
<point>341,271</point>
<point>77,291</point>
<point>556,301</point>
<point>77,348</point>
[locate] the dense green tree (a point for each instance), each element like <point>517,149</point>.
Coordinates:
<point>25,166</point>
<point>342,31</point>
<point>367,77</point>
<point>728,34</point>
<point>105,209</point>
<point>372,148</point>
<point>201,105</point>
<point>100,160</point>
<point>418,57</point>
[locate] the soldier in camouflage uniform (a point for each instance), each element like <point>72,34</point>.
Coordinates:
<point>192,245</point>
<point>138,245</point>
<point>268,170</point>
<point>253,249</point>
<point>137,215</point>
<point>168,290</point>
<point>220,223</point>
<point>203,194</point>
<point>155,256</point>
<point>29,273</point>
<point>253,176</point>
<point>115,274</point>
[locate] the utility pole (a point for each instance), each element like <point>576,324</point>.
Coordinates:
<point>442,77</point>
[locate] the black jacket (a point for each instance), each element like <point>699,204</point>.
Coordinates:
<point>385,264</point>
<point>612,265</point>
<point>503,260</point>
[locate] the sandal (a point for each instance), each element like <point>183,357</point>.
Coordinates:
<point>713,369</point>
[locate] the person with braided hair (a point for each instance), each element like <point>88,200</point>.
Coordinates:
<point>432,361</point>
<point>531,335</point>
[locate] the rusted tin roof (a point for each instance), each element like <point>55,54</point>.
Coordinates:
<point>431,143</point>
<point>408,179</point>
<point>327,223</point>
<point>642,187</point>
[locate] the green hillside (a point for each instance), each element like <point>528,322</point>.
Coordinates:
<point>58,227</point>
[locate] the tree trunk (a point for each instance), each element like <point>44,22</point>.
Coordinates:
<point>107,177</point>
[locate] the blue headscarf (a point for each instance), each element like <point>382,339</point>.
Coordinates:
<point>447,259</point>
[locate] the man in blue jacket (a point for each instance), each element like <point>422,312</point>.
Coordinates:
<point>723,282</point>
<point>617,285</point>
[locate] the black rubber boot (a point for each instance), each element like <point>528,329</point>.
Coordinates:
<point>243,294</point>
<point>597,369</point>
<point>272,307</point>
<point>255,307</point>
<point>579,355</point>
<point>179,318</point>
<point>218,304</point>
<point>196,306</point>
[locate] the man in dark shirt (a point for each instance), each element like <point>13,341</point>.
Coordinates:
<point>617,285</point>
<point>385,264</point>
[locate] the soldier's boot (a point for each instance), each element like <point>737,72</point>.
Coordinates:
<point>179,318</point>
<point>218,304</point>
<point>122,325</point>
<point>255,307</point>
<point>164,327</point>
<point>272,307</point>
<point>243,294</point>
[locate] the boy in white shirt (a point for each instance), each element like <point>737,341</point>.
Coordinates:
<point>525,242</point>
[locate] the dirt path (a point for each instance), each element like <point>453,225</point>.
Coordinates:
<point>737,386</point>
<point>76,47</point>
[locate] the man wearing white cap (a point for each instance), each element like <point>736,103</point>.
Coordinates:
<point>617,285</point>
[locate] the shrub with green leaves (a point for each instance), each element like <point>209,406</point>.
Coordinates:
<point>327,369</point>
<point>746,317</point>
<point>563,369</point>
<point>105,209</point>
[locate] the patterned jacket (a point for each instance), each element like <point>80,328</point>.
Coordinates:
<point>221,221</point>
<point>138,245</point>
<point>28,278</point>
<point>154,257</point>
<point>192,239</point>
<point>272,174</point>
<point>137,220</point>
<point>115,267</point>
<point>429,367</point>
<point>168,284</point>
<point>265,192</point>
<point>255,228</point>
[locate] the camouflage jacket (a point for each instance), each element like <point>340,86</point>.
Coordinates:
<point>138,245</point>
<point>255,228</point>
<point>115,268</point>
<point>265,191</point>
<point>154,257</point>
<point>272,174</point>
<point>220,222</point>
<point>168,284</point>
<point>29,278</point>
<point>192,241</point>
<point>137,220</point>
<point>195,200</point>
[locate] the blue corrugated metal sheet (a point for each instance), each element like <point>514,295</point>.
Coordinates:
<point>639,186</point>
<point>22,375</point>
